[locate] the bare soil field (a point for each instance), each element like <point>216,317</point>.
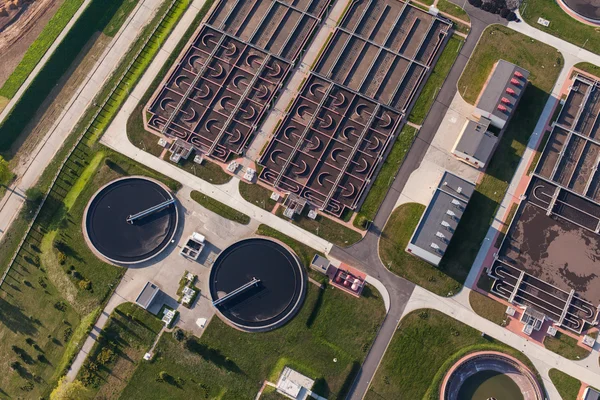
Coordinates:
<point>19,27</point>
<point>53,106</point>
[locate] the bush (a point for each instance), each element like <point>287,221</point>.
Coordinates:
<point>486,7</point>
<point>106,356</point>
<point>77,275</point>
<point>60,306</point>
<point>505,12</point>
<point>84,284</point>
<point>62,258</point>
<point>512,16</point>
<point>67,333</point>
<point>178,334</point>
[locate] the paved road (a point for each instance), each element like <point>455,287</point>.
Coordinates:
<point>364,254</point>
<point>45,151</point>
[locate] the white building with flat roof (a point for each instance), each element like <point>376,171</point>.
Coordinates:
<point>440,219</point>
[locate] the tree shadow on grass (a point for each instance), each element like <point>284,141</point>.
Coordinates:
<point>321,388</point>
<point>212,355</point>
<point>315,311</point>
<point>349,381</point>
<point>13,318</point>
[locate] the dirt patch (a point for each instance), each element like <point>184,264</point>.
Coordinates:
<point>19,28</point>
<point>55,103</point>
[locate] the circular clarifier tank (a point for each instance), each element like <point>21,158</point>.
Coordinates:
<point>257,284</point>
<point>130,220</point>
<point>586,9</point>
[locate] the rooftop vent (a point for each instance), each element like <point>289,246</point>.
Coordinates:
<point>459,190</point>
<point>518,74</point>
<point>445,224</point>
<point>440,235</point>
<point>510,91</point>
<point>502,108</point>
<point>435,246</point>
<point>505,100</point>
<point>450,213</point>
<point>515,81</point>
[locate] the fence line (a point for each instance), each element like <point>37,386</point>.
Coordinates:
<point>88,129</point>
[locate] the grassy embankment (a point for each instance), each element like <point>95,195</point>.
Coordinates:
<point>34,306</point>
<point>426,344</point>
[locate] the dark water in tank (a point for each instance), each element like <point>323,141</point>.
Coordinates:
<point>489,384</point>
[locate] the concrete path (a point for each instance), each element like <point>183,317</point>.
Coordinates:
<point>365,254</point>
<point>563,46</point>
<point>113,302</point>
<point>586,370</point>
<point>32,75</point>
<point>11,203</point>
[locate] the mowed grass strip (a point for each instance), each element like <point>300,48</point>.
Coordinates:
<point>562,25</point>
<point>257,195</point>
<point>305,253</point>
<point>565,346</point>
<point>142,139</point>
<point>95,18</point>
<point>424,347</point>
<point>392,250</point>
<point>453,9</point>
<point>436,80</point>
<point>128,334</point>
<point>567,386</point>
<point>385,177</point>
<point>488,308</point>
<point>228,364</point>
<point>496,43</point>
<point>324,227</point>
<point>219,208</point>
<point>589,68</point>
<point>38,48</point>
<point>45,313</point>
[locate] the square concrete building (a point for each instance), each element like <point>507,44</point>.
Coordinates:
<point>440,219</point>
<point>502,93</point>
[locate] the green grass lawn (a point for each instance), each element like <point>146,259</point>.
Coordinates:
<point>385,177</point>
<point>209,171</point>
<point>228,364</point>
<point>126,337</point>
<point>561,25</point>
<point>565,346</point>
<point>589,68</point>
<point>67,239</point>
<point>38,48</point>
<point>31,305</point>
<point>567,386</point>
<point>96,17</point>
<point>488,308</point>
<point>219,208</point>
<point>436,80</point>
<point>453,9</point>
<point>257,195</point>
<point>500,43</point>
<point>392,244</point>
<point>423,348</point>
<point>305,253</point>
<point>270,393</point>
<point>324,227</point>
